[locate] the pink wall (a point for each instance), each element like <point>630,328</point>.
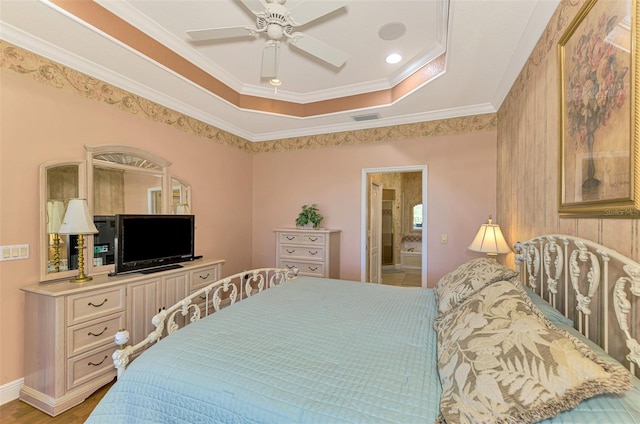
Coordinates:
<point>41,123</point>
<point>461,193</point>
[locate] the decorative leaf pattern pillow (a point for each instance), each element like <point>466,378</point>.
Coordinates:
<point>455,287</point>
<point>501,361</point>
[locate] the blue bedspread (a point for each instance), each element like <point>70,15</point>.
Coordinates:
<point>309,351</point>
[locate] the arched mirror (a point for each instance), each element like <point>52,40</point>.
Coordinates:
<point>417,217</point>
<point>59,182</point>
<point>114,180</point>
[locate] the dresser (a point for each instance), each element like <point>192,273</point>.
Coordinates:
<point>315,253</point>
<point>69,328</point>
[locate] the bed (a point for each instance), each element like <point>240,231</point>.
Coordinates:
<point>487,344</point>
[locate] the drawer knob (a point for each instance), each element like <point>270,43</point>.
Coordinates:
<point>313,238</point>
<point>204,277</point>
<point>291,251</point>
<point>99,334</point>
<point>99,363</point>
<point>313,268</point>
<point>313,252</point>
<point>290,238</point>
<point>97,306</point>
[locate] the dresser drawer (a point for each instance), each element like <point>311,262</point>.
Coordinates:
<point>317,239</point>
<point>88,366</point>
<point>203,277</point>
<point>84,337</point>
<point>312,269</point>
<point>290,238</point>
<point>302,238</point>
<point>305,252</point>
<point>95,304</point>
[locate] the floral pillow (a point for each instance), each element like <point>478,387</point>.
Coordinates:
<point>468,278</point>
<point>501,361</point>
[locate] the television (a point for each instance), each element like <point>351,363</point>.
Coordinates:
<point>150,243</point>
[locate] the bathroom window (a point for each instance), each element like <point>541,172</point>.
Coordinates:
<point>417,217</point>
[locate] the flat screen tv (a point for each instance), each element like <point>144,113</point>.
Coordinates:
<point>153,242</point>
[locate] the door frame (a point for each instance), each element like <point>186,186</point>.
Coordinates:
<point>365,208</point>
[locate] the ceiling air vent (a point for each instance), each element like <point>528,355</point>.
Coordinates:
<point>367,117</point>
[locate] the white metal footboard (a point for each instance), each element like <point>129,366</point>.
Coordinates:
<point>583,279</point>
<point>203,302</point>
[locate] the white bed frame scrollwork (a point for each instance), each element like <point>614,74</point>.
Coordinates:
<point>576,273</point>
<point>199,304</point>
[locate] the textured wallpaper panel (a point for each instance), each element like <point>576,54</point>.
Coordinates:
<point>528,154</point>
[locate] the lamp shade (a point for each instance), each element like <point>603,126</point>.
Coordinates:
<point>55,213</point>
<point>77,219</point>
<point>489,240</point>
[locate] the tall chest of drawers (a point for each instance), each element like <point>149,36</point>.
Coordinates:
<point>315,253</point>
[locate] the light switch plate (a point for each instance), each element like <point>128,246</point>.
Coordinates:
<point>14,252</point>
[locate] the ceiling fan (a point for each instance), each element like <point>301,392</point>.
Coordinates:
<point>277,22</point>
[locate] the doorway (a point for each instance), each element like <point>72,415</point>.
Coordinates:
<point>397,220</point>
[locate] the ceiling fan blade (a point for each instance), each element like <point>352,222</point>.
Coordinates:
<point>255,6</point>
<point>270,59</point>
<point>219,33</point>
<point>319,49</point>
<point>308,11</point>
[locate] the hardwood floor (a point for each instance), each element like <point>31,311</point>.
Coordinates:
<point>395,277</point>
<point>17,411</point>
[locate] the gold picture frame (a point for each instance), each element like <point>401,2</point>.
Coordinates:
<point>599,173</point>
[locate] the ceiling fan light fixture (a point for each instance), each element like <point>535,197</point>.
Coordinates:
<point>275,31</point>
<point>277,22</point>
<point>393,58</point>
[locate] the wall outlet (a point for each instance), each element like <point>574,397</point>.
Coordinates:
<point>14,252</point>
<point>444,239</point>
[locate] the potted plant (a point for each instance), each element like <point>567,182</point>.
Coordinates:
<point>309,215</point>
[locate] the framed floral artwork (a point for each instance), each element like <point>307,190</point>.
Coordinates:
<point>599,128</point>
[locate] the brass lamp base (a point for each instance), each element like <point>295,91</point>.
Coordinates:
<point>81,278</point>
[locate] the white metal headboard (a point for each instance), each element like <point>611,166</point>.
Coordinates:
<point>582,279</point>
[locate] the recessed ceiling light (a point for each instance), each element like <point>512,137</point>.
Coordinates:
<point>393,58</point>
<point>392,31</point>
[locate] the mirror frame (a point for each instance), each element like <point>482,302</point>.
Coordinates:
<point>85,190</point>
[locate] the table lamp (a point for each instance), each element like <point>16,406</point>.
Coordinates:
<point>490,240</point>
<point>77,220</point>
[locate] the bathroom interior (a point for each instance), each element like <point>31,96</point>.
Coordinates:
<point>401,227</point>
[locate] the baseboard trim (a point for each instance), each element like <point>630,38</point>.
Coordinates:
<point>10,391</point>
